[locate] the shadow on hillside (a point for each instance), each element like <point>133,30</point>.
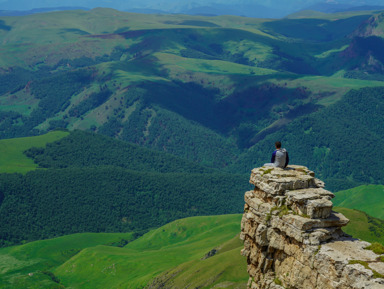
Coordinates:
<point>3,26</point>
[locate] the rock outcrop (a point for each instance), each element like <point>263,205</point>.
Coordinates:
<point>293,239</point>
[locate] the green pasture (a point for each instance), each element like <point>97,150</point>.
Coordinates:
<point>23,266</point>
<point>225,270</point>
<point>367,198</point>
<point>47,38</point>
<point>85,261</point>
<point>174,254</point>
<point>140,261</point>
<point>69,25</point>
<point>330,16</point>
<point>363,226</point>
<point>12,158</point>
<point>171,61</point>
<point>336,86</point>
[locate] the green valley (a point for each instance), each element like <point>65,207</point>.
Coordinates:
<point>207,89</point>
<point>173,256</point>
<point>93,261</point>
<point>126,140</point>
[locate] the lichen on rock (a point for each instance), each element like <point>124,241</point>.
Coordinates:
<point>293,239</point>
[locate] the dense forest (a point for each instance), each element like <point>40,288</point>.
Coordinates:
<point>49,203</point>
<point>84,149</point>
<point>92,183</point>
<point>338,142</point>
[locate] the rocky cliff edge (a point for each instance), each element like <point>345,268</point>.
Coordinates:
<point>293,239</point>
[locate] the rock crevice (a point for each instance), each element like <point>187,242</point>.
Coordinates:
<point>293,239</point>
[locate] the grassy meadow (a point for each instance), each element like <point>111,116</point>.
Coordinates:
<point>86,261</point>
<point>12,157</point>
<point>363,226</point>
<point>27,266</point>
<point>173,255</point>
<point>366,198</point>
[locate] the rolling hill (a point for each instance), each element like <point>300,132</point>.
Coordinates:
<point>95,261</point>
<point>199,251</point>
<point>163,117</point>
<point>366,198</point>
<point>214,92</point>
<point>362,225</point>
<point>28,265</point>
<point>207,89</point>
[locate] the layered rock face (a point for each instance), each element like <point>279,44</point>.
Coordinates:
<point>293,239</point>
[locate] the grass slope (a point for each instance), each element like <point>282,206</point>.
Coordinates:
<point>224,270</point>
<point>366,198</point>
<point>16,263</point>
<point>12,157</point>
<point>363,226</point>
<point>133,266</point>
<point>172,256</point>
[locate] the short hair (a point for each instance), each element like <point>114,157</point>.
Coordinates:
<point>278,144</point>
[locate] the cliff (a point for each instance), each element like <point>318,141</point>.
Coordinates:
<point>371,27</point>
<point>293,239</point>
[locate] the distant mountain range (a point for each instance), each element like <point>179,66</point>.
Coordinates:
<point>37,10</point>
<point>342,7</point>
<point>248,8</point>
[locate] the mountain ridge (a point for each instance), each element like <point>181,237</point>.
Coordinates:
<point>260,9</point>
<point>207,89</point>
<point>37,10</point>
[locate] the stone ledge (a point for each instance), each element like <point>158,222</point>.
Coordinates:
<point>293,238</point>
<point>334,220</point>
<point>276,181</point>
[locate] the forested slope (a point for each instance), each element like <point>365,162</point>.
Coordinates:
<point>92,183</point>
<point>84,149</point>
<point>202,88</point>
<point>339,142</point>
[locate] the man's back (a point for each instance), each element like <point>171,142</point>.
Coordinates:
<point>279,158</point>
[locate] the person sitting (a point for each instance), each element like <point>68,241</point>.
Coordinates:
<point>279,158</point>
